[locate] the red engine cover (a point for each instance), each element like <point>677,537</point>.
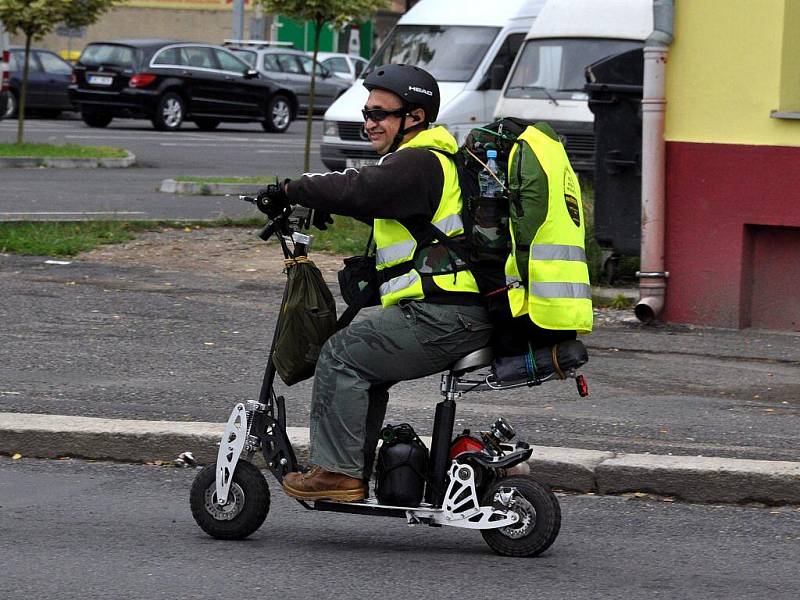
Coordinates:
<point>466,443</point>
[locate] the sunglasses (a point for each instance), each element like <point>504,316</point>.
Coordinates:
<point>379,114</point>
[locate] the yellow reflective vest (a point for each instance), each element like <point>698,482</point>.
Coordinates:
<point>395,245</point>
<point>558,294</point>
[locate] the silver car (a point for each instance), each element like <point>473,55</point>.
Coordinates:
<point>292,69</point>
<point>344,66</point>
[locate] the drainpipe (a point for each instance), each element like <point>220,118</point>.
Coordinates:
<point>652,276</point>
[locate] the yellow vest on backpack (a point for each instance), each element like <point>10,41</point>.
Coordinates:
<point>558,294</point>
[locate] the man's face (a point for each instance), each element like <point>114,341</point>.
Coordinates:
<point>381,133</point>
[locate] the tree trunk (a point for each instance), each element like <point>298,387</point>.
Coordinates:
<point>23,94</point>
<point>310,115</point>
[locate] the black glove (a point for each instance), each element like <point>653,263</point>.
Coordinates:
<point>272,199</point>
<point>321,219</point>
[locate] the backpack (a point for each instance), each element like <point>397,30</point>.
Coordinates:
<point>489,222</point>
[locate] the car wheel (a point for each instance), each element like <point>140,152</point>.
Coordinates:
<point>279,114</point>
<point>12,105</point>
<point>169,113</point>
<point>206,124</point>
<point>96,119</point>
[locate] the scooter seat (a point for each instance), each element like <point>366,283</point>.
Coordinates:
<point>473,360</point>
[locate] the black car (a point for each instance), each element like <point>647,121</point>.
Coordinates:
<point>48,82</point>
<point>169,82</point>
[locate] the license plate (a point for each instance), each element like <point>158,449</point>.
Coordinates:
<point>357,163</point>
<point>100,80</point>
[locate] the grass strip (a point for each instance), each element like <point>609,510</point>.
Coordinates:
<point>59,151</point>
<point>68,238</point>
<point>245,180</point>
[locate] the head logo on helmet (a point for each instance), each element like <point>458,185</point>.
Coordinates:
<point>420,90</point>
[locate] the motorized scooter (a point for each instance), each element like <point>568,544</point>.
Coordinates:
<point>470,482</point>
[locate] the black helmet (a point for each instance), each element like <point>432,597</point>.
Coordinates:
<point>415,86</point>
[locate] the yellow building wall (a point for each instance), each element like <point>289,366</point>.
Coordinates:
<point>732,63</point>
<point>790,71</point>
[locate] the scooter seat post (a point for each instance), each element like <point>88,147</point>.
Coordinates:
<point>443,423</point>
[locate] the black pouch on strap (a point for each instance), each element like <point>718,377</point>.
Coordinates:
<point>358,283</point>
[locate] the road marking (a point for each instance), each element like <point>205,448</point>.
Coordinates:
<point>298,151</point>
<point>98,212</point>
<point>187,145</point>
<point>145,138</point>
<point>188,141</point>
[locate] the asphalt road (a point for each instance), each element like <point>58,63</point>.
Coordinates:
<point>74,529</point>
<point>232,150</point>
<point>105,340</point>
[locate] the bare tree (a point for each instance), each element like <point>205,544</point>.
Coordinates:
<point>35,19</point>
<point>321,12</point>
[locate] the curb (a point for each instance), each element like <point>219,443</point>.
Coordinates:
<point>694,479</point>
<point>70,163</point>
<point>194,188</point>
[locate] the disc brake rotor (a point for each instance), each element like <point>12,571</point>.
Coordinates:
<point>517,503</point>
<point>231,509</point>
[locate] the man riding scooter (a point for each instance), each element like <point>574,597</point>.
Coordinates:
<point>432,312</point>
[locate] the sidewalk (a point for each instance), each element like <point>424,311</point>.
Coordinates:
<point>695,479</point>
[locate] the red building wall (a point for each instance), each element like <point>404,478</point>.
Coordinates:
<point>733,235</point>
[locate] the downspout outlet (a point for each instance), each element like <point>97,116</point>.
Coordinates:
<point>648,308</point>
<point>651,300</point>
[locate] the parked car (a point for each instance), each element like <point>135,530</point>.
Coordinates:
<point>292,69</point>
<point>48,82</point>
<point>345,66</point>
<point>170,82</point>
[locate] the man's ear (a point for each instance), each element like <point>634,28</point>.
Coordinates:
<point>417,115</point>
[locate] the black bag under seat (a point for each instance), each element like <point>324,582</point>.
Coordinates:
<point>402,466</point>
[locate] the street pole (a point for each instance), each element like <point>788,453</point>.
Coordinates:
<point>238,19</point>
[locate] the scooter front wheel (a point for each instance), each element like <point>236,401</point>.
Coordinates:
<point>242,514</point>
<point>539,516</point>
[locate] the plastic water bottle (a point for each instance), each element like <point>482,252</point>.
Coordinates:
<point>490,188</point>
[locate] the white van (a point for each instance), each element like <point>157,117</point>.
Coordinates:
<point>547,79</point>
<point>468,46</point>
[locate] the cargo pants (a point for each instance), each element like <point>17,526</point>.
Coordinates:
<point>359,364</point>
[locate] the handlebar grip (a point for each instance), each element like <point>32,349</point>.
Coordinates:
<point>268,231</point>
<point>249,199</point>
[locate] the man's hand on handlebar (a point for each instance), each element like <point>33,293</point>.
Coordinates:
<point>321,219</point>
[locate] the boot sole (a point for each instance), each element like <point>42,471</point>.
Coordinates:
<point>333,495</point>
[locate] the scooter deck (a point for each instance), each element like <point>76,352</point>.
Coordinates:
<point>369,507</point>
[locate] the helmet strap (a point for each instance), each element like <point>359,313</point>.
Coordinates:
<point>401,133</point>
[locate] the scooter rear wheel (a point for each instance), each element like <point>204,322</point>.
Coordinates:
<point>247,506</point>
<point>539,512</point>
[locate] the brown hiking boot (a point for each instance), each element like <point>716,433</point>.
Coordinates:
<point>319,484</point>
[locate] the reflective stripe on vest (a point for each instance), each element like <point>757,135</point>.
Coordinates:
<point>399,283</point>
<point>561,290</point>
<point>402,251</point>
<point>396,253</point>
<point>558,252</point>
